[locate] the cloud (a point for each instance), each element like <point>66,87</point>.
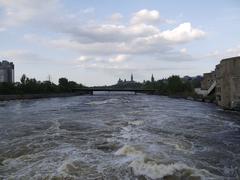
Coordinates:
<point>52,17</point>
<point>234,51</point>
<point>183,50</point>
<point>132,39</point>
<point>22,11</point>
<point>99,43</point>
<point>183,33</point>
<point>84,58</point>
<point>119,58</point>
<point>23,56</point>
<point>218,55</point>
<point>145,16</point>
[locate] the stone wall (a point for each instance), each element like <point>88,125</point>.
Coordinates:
<point>228,83</point>
<point>208,79</point>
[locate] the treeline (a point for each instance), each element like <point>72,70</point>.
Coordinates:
<point>174,85</point>
<point>32,86</point>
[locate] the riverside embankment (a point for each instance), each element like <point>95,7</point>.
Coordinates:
<point>38,96</point>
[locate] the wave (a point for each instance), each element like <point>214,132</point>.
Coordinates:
<point>136,123</point>
<point>153,170</point>
<point>128,150</point>
<point>102,102</point>
<point>141,165</point>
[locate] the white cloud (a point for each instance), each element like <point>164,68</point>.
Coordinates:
<point>23,56</point>
<point>51,16</point>
<point>218,55</point>
<point>84,59</point>
<point>22,11</point>
<point>119,58</point>
<point>145,16</point>
<point>96,43</point>
<point>183,33</point>
<point>234,51</point>
<point>183,50</point>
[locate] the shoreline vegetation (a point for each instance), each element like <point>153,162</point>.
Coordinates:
<point>38,96</point>
<point>30,88</point>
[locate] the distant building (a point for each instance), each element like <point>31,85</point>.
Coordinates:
<point>120,81</point>
<point>187,78</point>
<point>6,72</point>
<point>208,79</point>
<point>132,78</point>
<point>127,84</point>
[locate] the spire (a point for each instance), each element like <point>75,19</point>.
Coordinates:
<point>120,80</point>
<point>152,78</point>
<point>131,77</point>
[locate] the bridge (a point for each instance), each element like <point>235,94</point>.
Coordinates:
<point>91,90</point>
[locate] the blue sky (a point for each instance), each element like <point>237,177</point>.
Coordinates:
<point>95,42</point>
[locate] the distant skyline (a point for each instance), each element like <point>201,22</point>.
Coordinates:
<point>95,42</point>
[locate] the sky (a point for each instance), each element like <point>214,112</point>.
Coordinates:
<point>96,42</point>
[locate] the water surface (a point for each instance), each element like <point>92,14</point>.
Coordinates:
<point>118,137</point>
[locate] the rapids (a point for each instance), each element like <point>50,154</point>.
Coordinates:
<point>118,136</point>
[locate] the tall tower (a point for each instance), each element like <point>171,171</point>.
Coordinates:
<point>152,78</point>
<point>131,77</point>
<point>6,72</point>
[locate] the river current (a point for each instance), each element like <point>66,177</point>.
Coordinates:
<point>118,136</point>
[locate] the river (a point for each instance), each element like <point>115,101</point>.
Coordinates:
<point>118,136</point>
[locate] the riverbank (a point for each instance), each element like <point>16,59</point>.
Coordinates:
<point>39,96</point>
<point>194,97</point>
<point>205,100</point>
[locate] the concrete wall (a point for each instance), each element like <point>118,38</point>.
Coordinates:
<point>208,79</point>
<point>228,83</point>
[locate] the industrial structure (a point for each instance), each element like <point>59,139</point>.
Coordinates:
<point>224,83</point>
<point>6,72</point>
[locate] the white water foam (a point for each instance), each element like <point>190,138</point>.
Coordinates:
<point>141,165</point>
<point>128,150</point>
<point>136,123</point>
<point>102,102</point>
<point>154,170</point>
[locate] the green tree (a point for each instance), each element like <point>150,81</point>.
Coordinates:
<point>64,84</point>
<point>175,85</point>
<point>23,79</point>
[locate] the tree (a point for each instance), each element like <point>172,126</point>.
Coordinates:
<point>63,84</point>
<point>23,79</point>
<point>32,86</point>
<point>175,85</point>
